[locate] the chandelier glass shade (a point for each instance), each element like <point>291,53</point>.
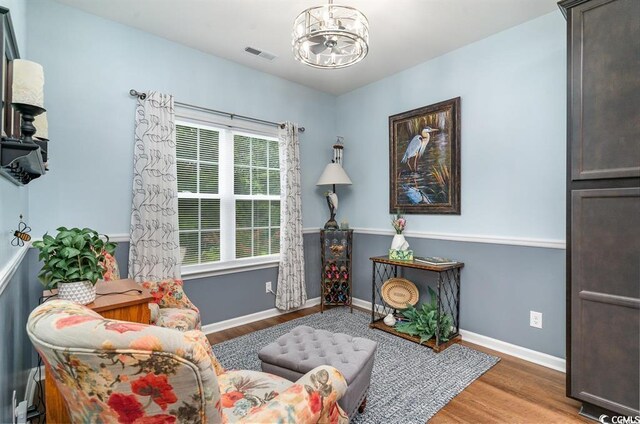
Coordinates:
<point>330,36</point>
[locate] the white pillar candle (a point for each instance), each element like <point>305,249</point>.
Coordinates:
<point>42,127</point>
<point>28,83</point>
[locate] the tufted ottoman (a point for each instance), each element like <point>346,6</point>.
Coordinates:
<point>304,348</point>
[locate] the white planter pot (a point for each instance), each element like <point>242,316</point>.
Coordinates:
<point>399,242</point>
<point>82,292</point>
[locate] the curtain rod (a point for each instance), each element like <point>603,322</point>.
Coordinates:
<point>142,96</point>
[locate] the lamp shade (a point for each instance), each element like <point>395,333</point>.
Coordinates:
<point>334,174</point>
<point>28,83</point>
<point>42,127</point>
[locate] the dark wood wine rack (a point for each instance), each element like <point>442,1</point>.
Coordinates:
<point>337,249</point>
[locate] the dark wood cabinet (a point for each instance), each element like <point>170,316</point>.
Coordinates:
<point>603,205</point>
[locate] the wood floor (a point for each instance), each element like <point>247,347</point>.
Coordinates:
<point>513,391</point>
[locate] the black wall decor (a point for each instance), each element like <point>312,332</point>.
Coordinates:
<point>20,161</point>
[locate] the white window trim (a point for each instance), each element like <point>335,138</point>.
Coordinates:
<point>212,269</point>
<point>228,128</point>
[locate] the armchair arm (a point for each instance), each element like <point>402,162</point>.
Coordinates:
<point>200,338</point>
<point>313,398</point>
<point>155,311</point>
<point>110,266</point>
<point>169,293</point>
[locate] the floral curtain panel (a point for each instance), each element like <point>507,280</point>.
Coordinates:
<point>291,291</point>
<point>154,250</point>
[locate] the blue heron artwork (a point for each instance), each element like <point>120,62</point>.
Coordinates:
<point>425,159</point>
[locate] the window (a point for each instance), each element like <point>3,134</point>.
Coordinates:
<point>228,194</point>
<point>198,198</point>
<point>256,172</point>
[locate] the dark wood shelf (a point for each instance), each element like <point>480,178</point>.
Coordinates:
<point>109,295</point>
<point>20,162</point>
<point>416,264</point>
<point>431,343</point>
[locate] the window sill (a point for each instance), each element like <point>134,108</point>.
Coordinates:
<point>192,272</point>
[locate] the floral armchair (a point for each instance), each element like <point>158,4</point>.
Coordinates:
<point>116,371</point>
<point>171,308</point>
<point>111,271</point>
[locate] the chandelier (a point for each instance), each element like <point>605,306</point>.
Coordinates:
<point>330,36</point>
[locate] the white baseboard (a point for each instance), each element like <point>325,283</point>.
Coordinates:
<point>360,303</point>
<point>530,355</point>
<point>257,316</point>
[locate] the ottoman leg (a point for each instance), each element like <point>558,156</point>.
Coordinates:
<point>362,406</point>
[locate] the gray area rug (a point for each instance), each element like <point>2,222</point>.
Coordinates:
<point>410,383</point>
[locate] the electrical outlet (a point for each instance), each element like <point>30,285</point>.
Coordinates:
<point>535,319</point>
<point>267,287</point>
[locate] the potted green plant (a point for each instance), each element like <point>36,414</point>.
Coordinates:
<point>73,262</point>
<point>423,321</point>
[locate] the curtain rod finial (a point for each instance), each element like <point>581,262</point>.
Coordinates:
<point>137,94</point>
<point>300,129</point>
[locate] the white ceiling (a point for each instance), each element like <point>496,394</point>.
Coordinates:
<point>402,33</point>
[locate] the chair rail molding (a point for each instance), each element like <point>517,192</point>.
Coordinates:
<point>7,271</point>
<point>469,238</point>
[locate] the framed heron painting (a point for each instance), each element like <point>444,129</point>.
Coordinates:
<point>424,160</point>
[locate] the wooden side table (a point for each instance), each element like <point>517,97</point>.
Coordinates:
<point>447,292</point>
<point>131,306</point>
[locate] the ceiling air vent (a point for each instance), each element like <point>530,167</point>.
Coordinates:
<point>260,53</point>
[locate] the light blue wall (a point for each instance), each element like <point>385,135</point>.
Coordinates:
<point>14,200</point>
<point>91,63</point>
<point>512,88</point>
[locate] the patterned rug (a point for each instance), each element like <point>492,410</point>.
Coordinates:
<point>410,383</point>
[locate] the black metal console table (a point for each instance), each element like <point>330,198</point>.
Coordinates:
<point>448,296</point>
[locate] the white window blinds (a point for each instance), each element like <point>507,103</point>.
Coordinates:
<point>227,212</point>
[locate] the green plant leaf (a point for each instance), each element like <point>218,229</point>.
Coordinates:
<point>72,255</point>
<point>423,321</point>
<point>434,297</point>
<point>71,252</point>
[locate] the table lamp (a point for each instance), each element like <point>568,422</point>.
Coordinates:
<point>333,175</point>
